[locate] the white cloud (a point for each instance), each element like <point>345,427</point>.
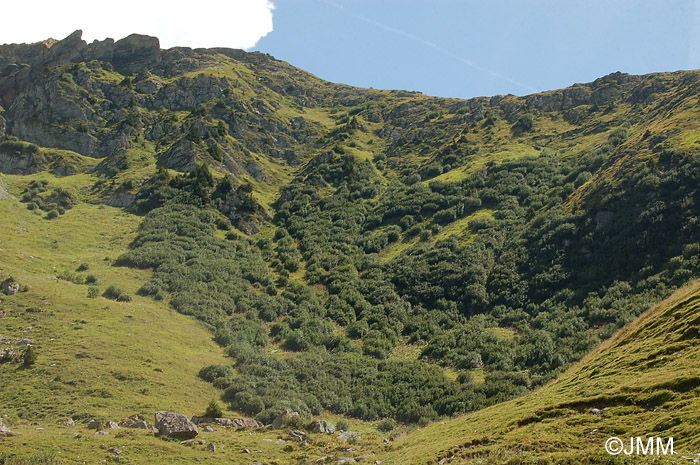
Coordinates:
<point>188,23</point>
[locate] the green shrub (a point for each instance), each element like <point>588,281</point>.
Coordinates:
<point>52,214</point>
<point>83,267</point>
<point>114,293</point>
<point>29,357</point>
<point>90,279</point>
<point>342,425</point>
<point>223,224</point>
<point>386,425</point>
<point>213,410</point>
<point>93,292</point>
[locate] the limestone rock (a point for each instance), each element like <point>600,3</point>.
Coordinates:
<point>299,436</point>
<point>175,425</point>
<point>120,199</point>
<point>322,426</point>
<point>22,163</point>
<point>4,430</point>
<point>100,50</point>
<point>10,287</point>
<point>66,50</point>
<point>233,423</point>
<point>136,52</point>
<point>111,425</point>
<point>95,424</point>
<point>350,436</point>
<point>136,421</point>
<point>287,417</point>
<point>181,156</point>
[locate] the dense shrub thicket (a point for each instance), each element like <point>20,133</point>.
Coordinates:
<point>526,285</point>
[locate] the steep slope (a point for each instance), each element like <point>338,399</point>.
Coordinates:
<point>643,382</point>
<point>97,358</point>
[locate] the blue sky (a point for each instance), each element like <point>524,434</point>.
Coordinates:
<point>467,48</point>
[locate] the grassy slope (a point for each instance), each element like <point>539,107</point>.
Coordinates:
<point>96,357</point>
<point>646,374</point>
<point>103,359</point>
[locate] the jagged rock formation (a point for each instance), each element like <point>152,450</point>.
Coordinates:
<point>106,98</point>
<point>131,53</point>
<point>11,163</point>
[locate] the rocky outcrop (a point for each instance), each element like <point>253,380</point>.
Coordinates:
<point>4,430</point>
<point>131,53</point>
<point>234,423</point>
<point>35,99</point>
<point>322,426</point>
<point>18,162</point>
<point>135,53</point>
<point>100,50</point>
<point>9,287</point>
<point>120,199</point>
<point>181,156</point>
<point>175,425</point>
<point>288,417</point>
<point>21,158</point>
<point>350,436</point>
<point>136,421</point>
<point>299,436</point>
<point>95,424</point>
<point>65,51</point>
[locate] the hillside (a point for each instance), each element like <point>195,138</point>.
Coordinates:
<point>645,377</point>
<point>187,225</point>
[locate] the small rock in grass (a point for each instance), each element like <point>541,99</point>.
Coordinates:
<point>95,424</point>
<point>111,425</point>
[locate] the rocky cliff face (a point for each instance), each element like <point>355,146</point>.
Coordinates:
<point>50,108</point>
<point>134,52</point>
<point>104,98</point>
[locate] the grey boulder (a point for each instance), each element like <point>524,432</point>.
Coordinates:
<point>175,425</point>
<point>322,426</point>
